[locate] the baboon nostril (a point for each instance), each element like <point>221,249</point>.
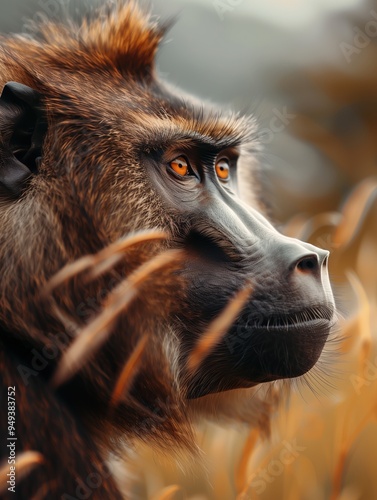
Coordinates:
<point>308,263</point>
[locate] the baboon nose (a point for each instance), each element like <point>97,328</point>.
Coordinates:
<point>302,258</point>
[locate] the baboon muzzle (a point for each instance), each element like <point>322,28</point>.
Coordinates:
<point>283,327</point>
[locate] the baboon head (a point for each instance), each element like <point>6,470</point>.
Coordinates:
<point>95,147</point>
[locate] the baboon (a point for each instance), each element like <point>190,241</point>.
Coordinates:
<point>141,284</point>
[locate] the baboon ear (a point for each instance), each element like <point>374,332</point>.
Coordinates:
<point>23,126</point>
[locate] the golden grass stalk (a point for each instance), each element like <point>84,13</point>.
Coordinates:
<point>103,260</point>
<point>345,450</point>
<point>241,471</point>
<point>126,378</point>
<point>66,320</point>
<point>167,493</point>
<point>218,328</point>
<point>316,223</point>
<point>25,463</point>
<point>363,322</point>
<point>363,317</point>
<point>97,332</point>
<point>244,495</point>
<point>354,212</point>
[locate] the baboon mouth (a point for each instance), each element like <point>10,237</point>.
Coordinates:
<point>309,318</point>
<point>281,345</point>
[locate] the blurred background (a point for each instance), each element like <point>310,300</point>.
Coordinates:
<point>308,71</point>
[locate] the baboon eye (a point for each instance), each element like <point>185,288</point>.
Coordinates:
<point>180,166</point>
<point>222,170</point>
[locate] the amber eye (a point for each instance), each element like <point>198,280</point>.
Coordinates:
<point>222,170</point>
<point>180,166</point>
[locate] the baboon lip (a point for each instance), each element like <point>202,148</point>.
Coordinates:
<point>320,317</point>
<point>313,324</point>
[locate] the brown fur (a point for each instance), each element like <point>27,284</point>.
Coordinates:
<point>77,206</point>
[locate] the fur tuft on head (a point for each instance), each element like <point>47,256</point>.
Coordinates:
<point>120,39</point>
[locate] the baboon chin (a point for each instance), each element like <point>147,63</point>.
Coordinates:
<point>136,278</point>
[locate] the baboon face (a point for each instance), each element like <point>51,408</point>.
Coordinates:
<point>282,329</point>
<point>133,155</point>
